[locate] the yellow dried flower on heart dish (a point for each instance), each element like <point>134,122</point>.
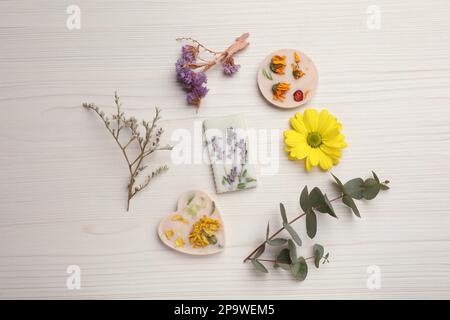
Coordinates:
<point>316,138</point>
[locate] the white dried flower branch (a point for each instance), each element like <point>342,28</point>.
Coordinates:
<point>146,135</point>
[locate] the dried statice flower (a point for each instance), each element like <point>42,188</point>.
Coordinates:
<point>193,82</point>
<point>190,68</point>
<point>229,68</point>
<point>147,135</point>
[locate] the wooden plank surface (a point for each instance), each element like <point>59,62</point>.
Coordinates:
<point>62,191</point>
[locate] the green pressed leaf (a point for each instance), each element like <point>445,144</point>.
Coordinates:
<point>354,188</point>
<point>371,189</point>
<point>259,252</point>
<point>191,197</point>
<point>348,201</point>
<point>338,183</point>
<point>267,75</point>
<point>292,250</point>
<point>211,239</point>
<point>277,242</point>
<point>311,224</point>
<point>283,257</point>
<point>293,233</point>
<point>283,213</point>
<point>316,198</point>
<point>299,269</point>
<point>305,204</point>
<point>318,254</point>
<point>241,185</point>
<point>259,266</point>
<point>213,209</point>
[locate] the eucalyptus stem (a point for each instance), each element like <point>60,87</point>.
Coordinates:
<point>312,202</point>
<point>281,229</point>
<point>274,261</point>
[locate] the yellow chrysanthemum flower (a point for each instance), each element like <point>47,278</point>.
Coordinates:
<point>315,137</point>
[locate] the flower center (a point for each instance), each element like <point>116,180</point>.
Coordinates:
<point>314,139</point>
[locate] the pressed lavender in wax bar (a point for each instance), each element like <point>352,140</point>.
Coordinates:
<point>227,143</point>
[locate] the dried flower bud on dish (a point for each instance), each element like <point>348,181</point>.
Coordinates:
<point>279,90</point>
<point>278,64</point>
<point>296,72</point>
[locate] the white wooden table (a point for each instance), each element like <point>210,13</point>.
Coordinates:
<point>63,179</point>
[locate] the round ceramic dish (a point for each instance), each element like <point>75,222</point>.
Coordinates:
<point>307,83</point>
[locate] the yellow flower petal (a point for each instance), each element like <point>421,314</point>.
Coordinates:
<point>308,165</point>
<point>336,142</point>
<point>300,151</point>
<point>179,242</point>
<point>314,156</point>
<point>298,125</point>
<point>311,119</point>
<point>325,120</point>
<point>169,234</point>
<point>335,152</point>
<point>325,162</point>
<point>293,138</point>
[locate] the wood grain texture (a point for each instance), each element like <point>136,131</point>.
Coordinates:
<point>62,191</point>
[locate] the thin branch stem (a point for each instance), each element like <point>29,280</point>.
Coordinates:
<point>281,229</point>
<point>198,43</point>
<point>271,260</point>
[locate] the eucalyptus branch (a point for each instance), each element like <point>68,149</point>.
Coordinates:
<point>147,140</point>
<point>280,230</point>
<point>312,202</point>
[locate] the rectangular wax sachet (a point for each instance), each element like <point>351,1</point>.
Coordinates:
<point>227,142</point>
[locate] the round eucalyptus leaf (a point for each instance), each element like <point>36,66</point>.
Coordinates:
<point>299,269</point>
<point>283,257</point>
<point>316,198</point>
<point>318,254</point>
<point>354,188</point>
<point>371,189</point>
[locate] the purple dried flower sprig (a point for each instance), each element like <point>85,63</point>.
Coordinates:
<point>190,68</point>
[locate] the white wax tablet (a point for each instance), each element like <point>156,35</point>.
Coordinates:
<point>228,148</point>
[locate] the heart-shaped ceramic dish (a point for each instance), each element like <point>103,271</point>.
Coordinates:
<point>196,227</point>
